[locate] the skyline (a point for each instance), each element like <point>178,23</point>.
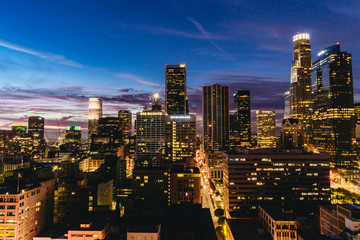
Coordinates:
<point>51,62</point>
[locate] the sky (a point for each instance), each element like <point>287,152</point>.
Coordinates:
<point>54,55</point>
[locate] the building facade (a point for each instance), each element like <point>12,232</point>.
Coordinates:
<point>333,115</point>
<point>125,117</point>
<point>266,176</point>
<point>180,137</point>
<point>266,129</point>
<point>176,100</point>
<point>291,134</point>
<point>95,113</point>
<point>215,105</point>
<point>185,185</point>
<point>242,110</point>
<point>24,214</point>
<point>150,136</point>
<point>333,217</point>
<point>279,225</point>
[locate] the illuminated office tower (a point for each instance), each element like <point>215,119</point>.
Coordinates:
<point>266,135</point>
<point>234,133</point>
<point>287,104</point>
<point>150,135</point>
<point>180,137</point>
<point>109,136</point>
<point>19,130</point>
<point>333,106</point>
<point>125,123</point>
<point>215,105</point>
<point>300,84</point>
<point>36,127</point>
<point>73,137</point>
<point>242,109</point>
<point>95,112</point>
<point>176,100</point>
<point>357,117</point>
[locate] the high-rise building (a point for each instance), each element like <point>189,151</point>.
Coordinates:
<point>274,176</point>
<point>287,104</point>
<point>242,109</point>
<point>95,112</point>
<point>333,115</point>
<point>291,134</point>
<point>215,105</point>
<point>36,127</point>
<point>6,142</point>
<point>150,135</point>
<point>300,84</point>
<point>125,117</point>
<point>108,137</point>
<point>357,117</point>
<point>266,134</point>
<point>180,137</point>
<point>19,130</point>
<point>73,137</point>
<point>176,100</point>
<point>234,133</point>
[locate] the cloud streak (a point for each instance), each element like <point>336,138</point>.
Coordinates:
<point>207,35</point>
<point>48,56</point>
<point>128,76</point>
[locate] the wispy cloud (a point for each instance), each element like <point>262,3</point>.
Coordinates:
<point>48,56</point>
<point>207,35</point>
<point>129,76</point>
<point>159,30</point>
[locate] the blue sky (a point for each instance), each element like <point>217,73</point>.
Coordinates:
<point>56,54</point>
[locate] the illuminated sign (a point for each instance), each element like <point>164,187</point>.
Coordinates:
<point>301,36</point>
<point>180,117</point>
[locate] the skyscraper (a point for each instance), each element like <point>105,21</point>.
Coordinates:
<point>242,109</point>
<point>95,112</point>
<point>266,135</point>
<point>180,137</point>
<point>333,106</point>
<point>300,83</point>
<point>73,137</point>
<point>215,105</point>
<point>36,127</point>
<point>150,135</point>
<point>125,123</point>
<point>287,104</point>
<point>176,100</point>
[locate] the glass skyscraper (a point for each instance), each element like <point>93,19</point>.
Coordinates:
<point>333,106</point>
<point>300,84</point>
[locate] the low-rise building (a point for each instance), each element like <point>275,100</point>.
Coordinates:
<point>27,210</point>
<point>143,232</point>
<point>278,223</point>
<point>333,218</point>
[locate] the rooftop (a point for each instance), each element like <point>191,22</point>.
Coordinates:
<point>277,213</point>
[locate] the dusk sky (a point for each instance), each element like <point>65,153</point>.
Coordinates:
<point>54,55</point>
